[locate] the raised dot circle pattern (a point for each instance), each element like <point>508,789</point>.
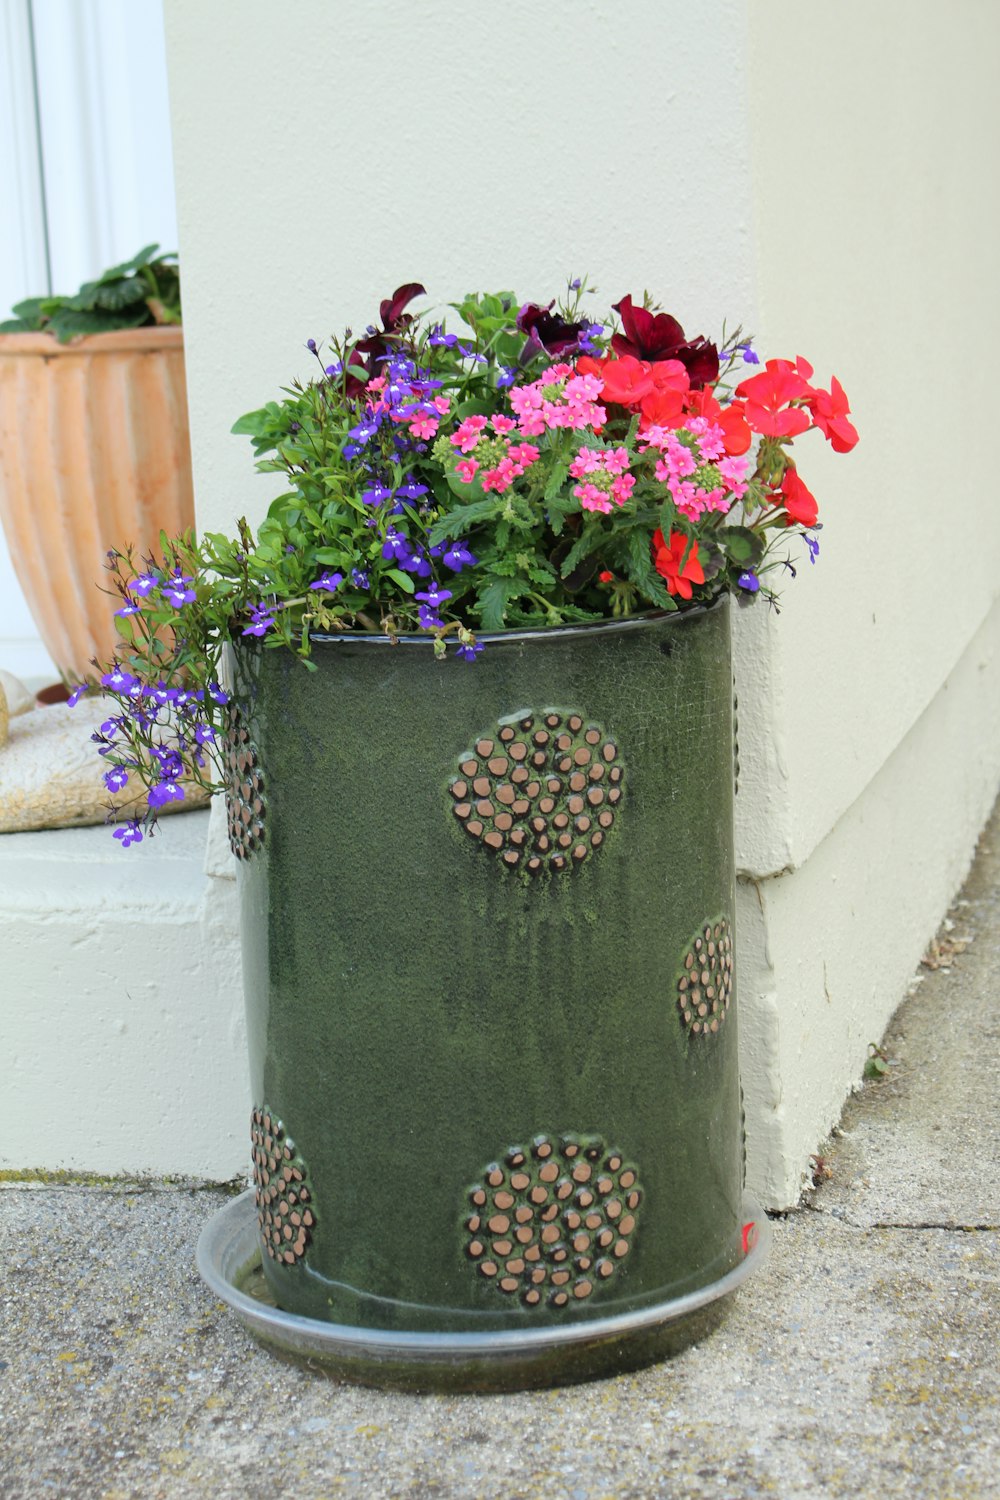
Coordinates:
<point>551,1223</point>
<point>245,809</point>
<point>705,983</point>
<point>541,790</point>
<point>285,1213</point>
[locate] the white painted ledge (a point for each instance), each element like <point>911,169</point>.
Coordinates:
<point>122,1012</point>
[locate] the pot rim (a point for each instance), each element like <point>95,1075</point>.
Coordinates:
<point>530,633</point>
<point>157,336</point>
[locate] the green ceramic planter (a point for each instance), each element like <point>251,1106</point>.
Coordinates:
<point>487,915</point>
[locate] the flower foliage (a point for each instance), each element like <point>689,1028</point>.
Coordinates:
<point>534,468</point>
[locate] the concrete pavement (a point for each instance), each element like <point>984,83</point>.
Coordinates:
<point>860,1361</point>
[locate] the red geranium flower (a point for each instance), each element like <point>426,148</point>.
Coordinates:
<point>829,409</point>
<point>658,336</point>
<point>588,365</point>
<point>667,560</point>
<point>765,394</point>
<point>799,502</point>
<point>626,381</point>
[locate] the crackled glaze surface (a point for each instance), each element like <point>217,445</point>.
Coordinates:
<point>417,1004</point>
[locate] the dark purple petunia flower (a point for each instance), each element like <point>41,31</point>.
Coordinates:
<point>658,336</point>
<point>394,320</point>
<point>547,331</point>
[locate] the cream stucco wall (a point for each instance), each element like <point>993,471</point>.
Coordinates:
<point>824,176</point>
<point>826,184</point>
<point>874,133</point>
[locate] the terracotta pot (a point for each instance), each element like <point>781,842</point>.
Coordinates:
<point>94,453</point>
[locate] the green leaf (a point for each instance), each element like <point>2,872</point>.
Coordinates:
<point>491,606</point>
<point>30,310</point>
<point>69,324</point>
<point>590,539</point>
<point>121,293</point>
<point>639,566</point>
<point>403,579</point>
<point>143,258</point>
<point>557,479</point>
<point>85,299</point>
<point>455,522</point>
<point>255,423</point>
<point>742,544</point>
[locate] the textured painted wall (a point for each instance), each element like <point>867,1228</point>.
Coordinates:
<point>877,203</point>
<point>462,146</point>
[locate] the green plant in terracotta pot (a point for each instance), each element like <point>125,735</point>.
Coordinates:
<point>93,440</point>
<point>485,837</point>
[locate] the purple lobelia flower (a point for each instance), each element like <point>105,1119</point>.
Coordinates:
<point>469,650</point>
<point>458,556</point>
<point>129,833</point>
<point>261,619</point>
<point>115,779</point>
<point>748,581</point>
<point>166,790</point>
<point>328,582</point>
<point>431,601</point>
<point>120,681</point>
<point>76,694</point>
<point>177,592</point>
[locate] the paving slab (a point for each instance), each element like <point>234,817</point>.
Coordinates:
<point>860,1361</point>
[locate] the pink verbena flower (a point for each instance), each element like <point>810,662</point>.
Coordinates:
<point>734,472</point>
<point>466,435</point>
<point>502,477</point>
<point>591,498</point>
<point>503,424</point>
<point>711,439</point>
<point>423,425</point>
<point>587,461</point>
<point>622,487</point>
<point>466,469</point>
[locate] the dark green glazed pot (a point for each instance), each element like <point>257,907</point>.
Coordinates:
<point>487,916</point>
